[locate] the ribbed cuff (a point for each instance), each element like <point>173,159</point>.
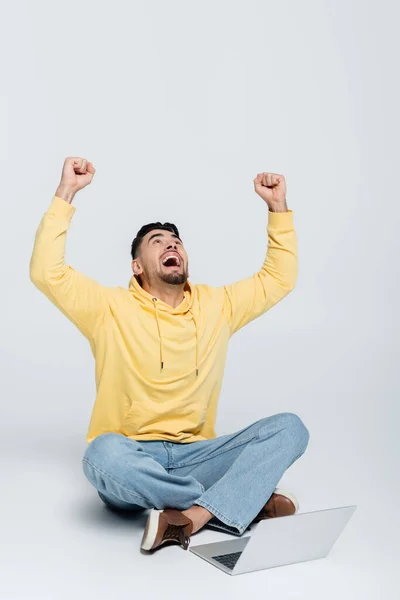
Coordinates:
<point>61,208</point>
<point>280,220</point>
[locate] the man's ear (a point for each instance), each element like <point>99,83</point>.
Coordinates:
<point>136,267</point>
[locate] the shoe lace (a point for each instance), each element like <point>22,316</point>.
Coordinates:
<point>177,533</point>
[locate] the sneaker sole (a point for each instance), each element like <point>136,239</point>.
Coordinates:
<point>151,529</point>
<point>288,495</point>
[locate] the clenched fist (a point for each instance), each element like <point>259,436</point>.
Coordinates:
<point>272,189</point>
<point>77,173</point>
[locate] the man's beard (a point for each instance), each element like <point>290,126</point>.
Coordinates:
<point>174,278</point>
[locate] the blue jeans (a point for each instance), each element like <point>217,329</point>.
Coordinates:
<point>232,475</point>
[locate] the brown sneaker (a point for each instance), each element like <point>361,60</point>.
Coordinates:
<point>167,525</point>
<point>280,504</point>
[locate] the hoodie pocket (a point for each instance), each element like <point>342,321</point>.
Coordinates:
<point>164,417</point>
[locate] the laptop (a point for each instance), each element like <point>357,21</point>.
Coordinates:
<point>278,541</point>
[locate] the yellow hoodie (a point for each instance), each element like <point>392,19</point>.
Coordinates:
<point>158,369</point>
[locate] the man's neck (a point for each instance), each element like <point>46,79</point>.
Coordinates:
<point>170,294</point>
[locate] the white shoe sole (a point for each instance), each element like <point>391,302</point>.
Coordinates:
<point>150,532</point>
<point>288,495</point>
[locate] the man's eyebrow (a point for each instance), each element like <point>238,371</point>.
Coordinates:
<point>162,235</point>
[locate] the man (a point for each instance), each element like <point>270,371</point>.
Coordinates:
<point>160,349</point>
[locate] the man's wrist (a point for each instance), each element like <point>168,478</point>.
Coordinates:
<point>66,193</point>
<point>282,207</point>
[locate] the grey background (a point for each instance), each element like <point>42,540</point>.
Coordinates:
<point>179,105</point>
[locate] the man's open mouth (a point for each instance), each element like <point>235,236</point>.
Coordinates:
<point>171,260</point>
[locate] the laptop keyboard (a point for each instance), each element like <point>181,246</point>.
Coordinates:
<point>228,560</point>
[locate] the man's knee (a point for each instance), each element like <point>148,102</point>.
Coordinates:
<point>296,430</point>
<point>103,447</point>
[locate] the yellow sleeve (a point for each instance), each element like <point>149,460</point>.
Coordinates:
<point>249,298</point>
<point>81,299</point>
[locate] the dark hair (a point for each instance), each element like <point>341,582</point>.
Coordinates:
<point>149,227</point>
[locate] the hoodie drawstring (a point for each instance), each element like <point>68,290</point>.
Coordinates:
<point>161,342</point>
<point>159,333</point>
<point>197,342</point>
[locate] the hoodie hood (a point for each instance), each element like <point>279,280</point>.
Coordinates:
<point>156,305</point>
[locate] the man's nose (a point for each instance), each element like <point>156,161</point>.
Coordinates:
<point>171,245</point>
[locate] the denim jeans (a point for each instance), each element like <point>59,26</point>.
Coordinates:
<point>232,475</point>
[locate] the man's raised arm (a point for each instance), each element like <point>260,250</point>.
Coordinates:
<point>249,298</point>
<point>80,298</point>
